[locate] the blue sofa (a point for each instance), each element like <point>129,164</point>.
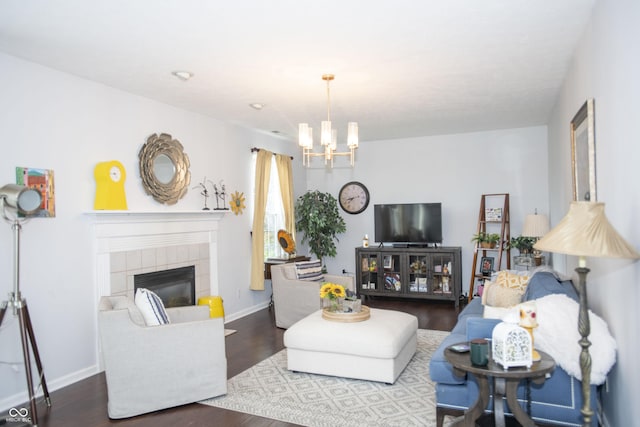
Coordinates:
<point>557,401</point>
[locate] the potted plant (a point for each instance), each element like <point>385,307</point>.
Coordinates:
<point>486,240</point>
<point>523,244</point>
<point>317,216</point>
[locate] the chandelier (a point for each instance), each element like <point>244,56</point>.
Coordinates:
<point>328,136</point>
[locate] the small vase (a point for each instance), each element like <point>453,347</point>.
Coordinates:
<point>333,305</point>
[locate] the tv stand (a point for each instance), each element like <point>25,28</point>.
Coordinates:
<point>410,272</point>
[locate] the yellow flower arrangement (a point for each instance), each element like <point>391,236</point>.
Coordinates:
<point>333,293</point>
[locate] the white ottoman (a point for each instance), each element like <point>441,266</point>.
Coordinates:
<point>377,349</point>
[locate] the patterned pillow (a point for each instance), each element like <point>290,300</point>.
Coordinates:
<point>309,270</point>
<point>512,281</point>
<point>151,307</point>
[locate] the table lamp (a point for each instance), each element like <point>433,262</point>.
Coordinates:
<point>536,226</point>
<point>585,232</point>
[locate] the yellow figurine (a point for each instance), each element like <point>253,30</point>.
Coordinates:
<point>110,177</point>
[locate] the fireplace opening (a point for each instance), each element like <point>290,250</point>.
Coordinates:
<point>175,287</point>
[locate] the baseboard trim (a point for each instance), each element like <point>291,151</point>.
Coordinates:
<point>23,397</point>
<point>246,312</point>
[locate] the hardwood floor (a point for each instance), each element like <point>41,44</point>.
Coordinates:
<point>84,404</point>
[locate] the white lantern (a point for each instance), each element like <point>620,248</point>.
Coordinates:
<point>511,346</point>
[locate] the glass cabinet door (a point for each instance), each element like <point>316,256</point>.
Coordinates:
<point>419,267</point>
<point>392,279</point>
<point>369,271</point>
<point>443,274</point>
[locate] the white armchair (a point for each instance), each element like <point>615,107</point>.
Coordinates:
<point>295,299</point>
<point>149,368</point>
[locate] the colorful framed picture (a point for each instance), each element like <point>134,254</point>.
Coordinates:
<point>493,214</point>
<point>41,180</point>
<point>486,265</point>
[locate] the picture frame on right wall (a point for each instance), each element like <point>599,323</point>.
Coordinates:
<point>583,152</point>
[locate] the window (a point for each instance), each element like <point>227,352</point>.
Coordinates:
<point>274,215</point>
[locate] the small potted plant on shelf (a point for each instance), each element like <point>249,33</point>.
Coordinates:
<point>523,244</point>
<point>486,240</point>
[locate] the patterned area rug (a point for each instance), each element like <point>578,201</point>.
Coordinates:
<point>269,390</point>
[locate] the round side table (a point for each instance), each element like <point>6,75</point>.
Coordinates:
<point>505,384</point>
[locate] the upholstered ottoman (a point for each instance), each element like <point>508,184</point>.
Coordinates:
<point>377,349</point>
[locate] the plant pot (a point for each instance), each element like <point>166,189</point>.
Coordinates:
<point>487,245</point>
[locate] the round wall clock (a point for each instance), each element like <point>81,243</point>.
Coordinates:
<point>353,197</point>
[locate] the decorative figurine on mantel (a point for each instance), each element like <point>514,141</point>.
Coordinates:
<point>205,191</point>
<point>220,195</point>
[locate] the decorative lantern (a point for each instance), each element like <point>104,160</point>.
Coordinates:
<point>511,346</point>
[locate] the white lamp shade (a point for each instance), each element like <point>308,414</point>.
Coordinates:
<point>535,225</point>
<point>586,232</point>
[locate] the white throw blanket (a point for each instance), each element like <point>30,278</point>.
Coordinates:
<point>557,334</point>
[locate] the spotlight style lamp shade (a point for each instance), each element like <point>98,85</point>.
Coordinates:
<point>586,232</point>
<point>24,199</point>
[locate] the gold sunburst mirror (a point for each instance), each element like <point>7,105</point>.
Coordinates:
<point>164,168</point>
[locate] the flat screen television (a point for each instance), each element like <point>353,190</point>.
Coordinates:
<point>408,223</point>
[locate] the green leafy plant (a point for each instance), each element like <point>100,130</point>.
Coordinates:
<point>317,216</point>
<point>486,239</point>
<point>523,244</point>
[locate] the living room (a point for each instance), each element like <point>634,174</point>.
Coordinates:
<point>59,121</point>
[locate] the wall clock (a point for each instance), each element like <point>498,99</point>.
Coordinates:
<point>353,197</point>
<point>110,177</point>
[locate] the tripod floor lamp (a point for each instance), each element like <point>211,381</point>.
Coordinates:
<point>26,201</point>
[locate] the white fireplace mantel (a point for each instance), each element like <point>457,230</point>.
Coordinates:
<point>121,231</point>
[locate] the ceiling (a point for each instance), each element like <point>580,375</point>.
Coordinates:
<point>404,68</point>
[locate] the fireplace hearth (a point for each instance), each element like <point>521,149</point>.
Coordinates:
<point>175,287</point>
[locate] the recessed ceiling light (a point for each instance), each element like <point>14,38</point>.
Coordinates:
<point>183,75</point>
<point>257,105</point>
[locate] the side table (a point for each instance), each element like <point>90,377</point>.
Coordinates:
<point>505,384</point>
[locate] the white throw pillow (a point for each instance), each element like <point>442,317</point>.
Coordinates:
<point>151,307</point>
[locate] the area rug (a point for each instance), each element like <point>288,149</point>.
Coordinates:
<point>269,390</point>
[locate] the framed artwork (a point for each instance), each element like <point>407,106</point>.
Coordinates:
<point>41,180</point>
<point>486,265</point>
<point>493,214</point>
<point>583,153</point>
<point>388,262</point>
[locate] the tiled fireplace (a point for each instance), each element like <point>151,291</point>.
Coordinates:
<point>129,243</point>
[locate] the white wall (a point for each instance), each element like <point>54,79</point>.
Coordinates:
<point>606,67</point>
<point>452,169</point>
<point>56,121</point>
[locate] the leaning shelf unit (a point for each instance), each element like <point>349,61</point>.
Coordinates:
<point>493,217</point>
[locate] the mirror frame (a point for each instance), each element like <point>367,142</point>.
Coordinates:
<point>583,153</point>
<point>175,189</point>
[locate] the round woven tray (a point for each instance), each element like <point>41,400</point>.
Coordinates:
<point>363,314</point>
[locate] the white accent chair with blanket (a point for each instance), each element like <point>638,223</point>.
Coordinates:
<point>296,290</point>
<point>149,368</point>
